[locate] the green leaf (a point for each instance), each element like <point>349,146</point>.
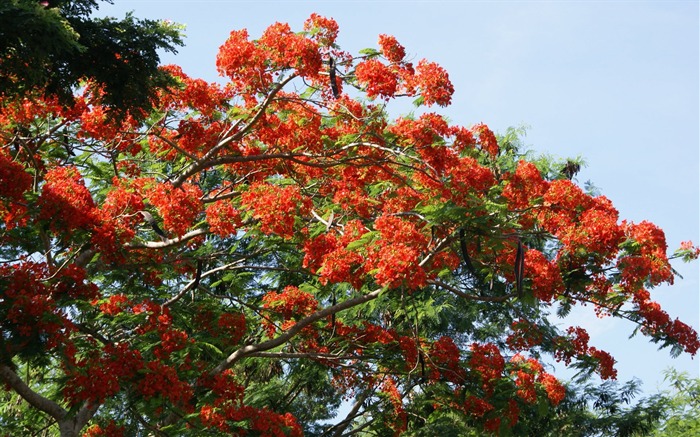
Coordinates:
<point>370,53</point>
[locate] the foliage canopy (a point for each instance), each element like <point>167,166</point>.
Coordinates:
<point>248,255</point>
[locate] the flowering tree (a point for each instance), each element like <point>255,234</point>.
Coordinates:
<point>248,255</point>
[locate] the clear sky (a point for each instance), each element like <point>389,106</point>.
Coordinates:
<point>616,82</point>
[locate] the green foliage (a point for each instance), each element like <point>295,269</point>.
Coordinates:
<point>55,49</point>
<point>681,406</point>
<point>17,418</point>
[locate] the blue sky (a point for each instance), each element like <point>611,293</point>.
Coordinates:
<point>616,82</point>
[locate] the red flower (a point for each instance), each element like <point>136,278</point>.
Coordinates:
<point>554,388</point>
<point>487,139</point>
<point>323,30</point>
<point>400,265</point>
<point>14,182</point>
<point>223,218</point>
<point>488,362</point>
<point>286,49</point>
<point>65,200</point>
<point>467,176</point>
<point>445,354</point>
<point>391,49</point>
<point>111,430</point>
<point>275,207</point>
<point>525,186</point>
<point>378,79</point>
<point>115,304</point>
<point>244,63</point>
<point>231,327</point>
<point>178,206</point>
<point>434,83</point>
<point>546,277</point>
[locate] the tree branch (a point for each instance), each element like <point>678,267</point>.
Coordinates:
<point>207,160</point>
<point>86,412</point>
<point>464,295</point>
<point>292,355</point>
<point>293,331</point>
<point>340,427</point>
<point>33,398</point>
<point>168,242</point>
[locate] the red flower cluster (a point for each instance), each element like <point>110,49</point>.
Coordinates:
<point>647,260</point>
<point>252,65</point>
<point>525,186</point>
<point>563,202</point>
<point>161,380</point>
<point>223,218</point>
<point>286,49</point>
<point>328,256</point>
<point>231,327</point>
<point>546,277</point>
<point>178,206</point>
<point>444,354</point>
<point>691,252</point>
<point>291,304</point>
<point>342,265</point>
<point>95,123</point>
<point>606,363</point>
<point>399,264</point>
<point>487,139</point>
<point>525,335</point>
<point>486,360</point>
<point>171,340</point>
<point>115,304</point>
<point>395,259</point>
<point>379,80</point>
<point>118,219</point>
<point>584,225</point>
<point>576,344</point>
<point>409,348</point>
<point>428,130</point>
<point>349,191</point>
<point>656,321</point>
<point>241,61</point>
<point>196,94</point>
<point>400,200</point>
<point>111,430</point>
<point>101,374</point>
<point>528,373</point>
<point>399,416</point>
<point>33,306</point>
<point>469,177</point>
<point>275,207</point>
<point>391,49</point>
<point>434,83</point>
<point>14,182</point>
<point>598,231</point>
<point>65,201</point>
<point>428,79</point>
<point>321,29</point>
<point>228,411</point>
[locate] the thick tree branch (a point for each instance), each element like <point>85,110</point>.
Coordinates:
<point>354,412</point>
<point>207,159</point>
<point>294,355</point>
<point>86,412</point>
<point>293,331</point>
<point>33,398</point>
<point>169,241</point>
